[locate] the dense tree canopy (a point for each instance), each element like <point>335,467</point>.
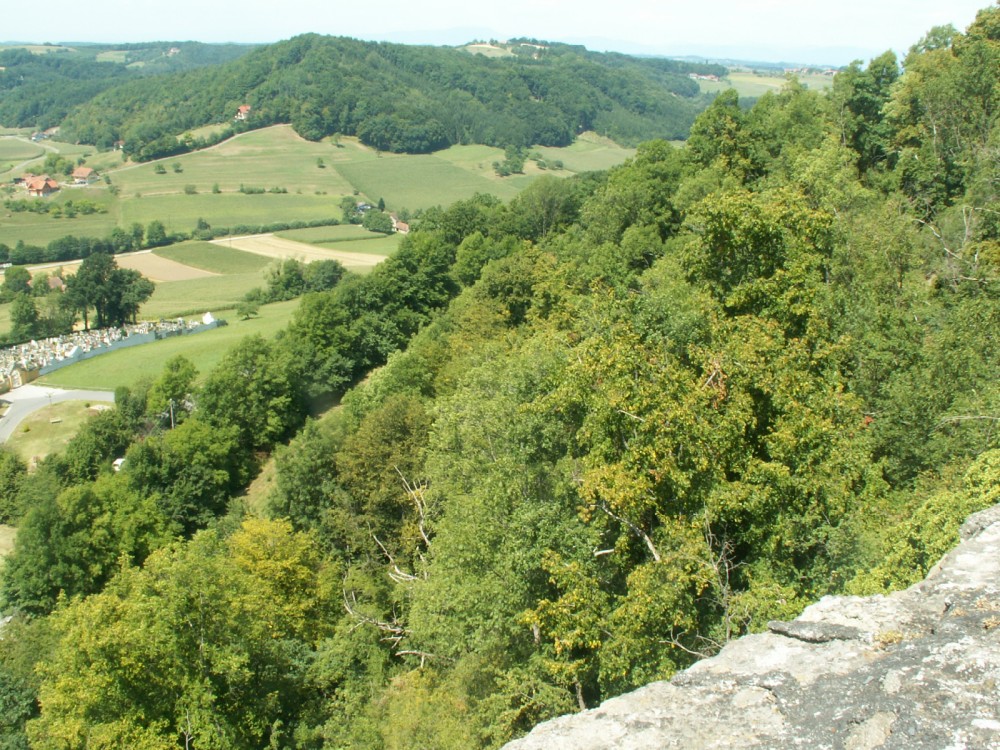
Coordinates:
<point>581,439</point>
<point>402,98</point>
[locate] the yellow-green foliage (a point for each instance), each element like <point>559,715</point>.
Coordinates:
<point>915,544</point>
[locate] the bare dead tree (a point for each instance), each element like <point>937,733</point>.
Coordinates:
<point>393,630</point>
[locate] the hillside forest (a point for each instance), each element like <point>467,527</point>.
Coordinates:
<point>583,438</point>
<point>393,97</point>
<point>40,87</point>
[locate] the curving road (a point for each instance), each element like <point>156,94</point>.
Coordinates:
<point>30,398</point>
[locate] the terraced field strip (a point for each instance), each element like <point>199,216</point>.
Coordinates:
<point>156,268</point>
<point>278,247</point>
<point>153,267</point>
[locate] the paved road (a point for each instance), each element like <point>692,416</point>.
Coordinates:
<point>30,398</point>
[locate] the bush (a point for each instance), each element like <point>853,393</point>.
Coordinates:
<point>190,190</point>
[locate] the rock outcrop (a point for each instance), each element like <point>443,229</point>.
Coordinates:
<point>917,669</point>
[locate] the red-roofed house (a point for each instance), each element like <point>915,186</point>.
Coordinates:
<point>39,187</point>
<point>84,175</point>
<point>243,112</point>
<point>400,226</point>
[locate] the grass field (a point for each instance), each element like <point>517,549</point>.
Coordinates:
<point>196,296</point>
<point>336,233</point>
<point>215,258</point>
<point>180,212</point>
<point>753,84</point>
<point>204,349</point>
<point>16,149</point>
<point>208,131</point>
<point>40,229</point>
<point>588,153</point>
<point>381,247</point>
<point>113,56</point>
<point>316,175</point>
<point>488,50</point>
<point>38,435</point>
<point>419,181</point>
<point>106,161</point>
<point>348,238</point>
<point>248,159</point>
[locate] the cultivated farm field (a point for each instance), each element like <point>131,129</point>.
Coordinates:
<point>308,179</point>
<point>420,181</point>
<point>273,246</point>
<point>217,258</point>
<point>335,233</point>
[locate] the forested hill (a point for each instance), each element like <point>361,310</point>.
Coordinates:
<point>583,439</point>
<point>403,98</point>
<point>38,88</point>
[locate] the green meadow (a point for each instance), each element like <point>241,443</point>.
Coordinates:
<point>386,245</point>
<point>324,235</point>
<point>196,296</point>
<point>16,149</point>
<point>752,84</point>
<point>113,56</point>
<point>180,212</point>
<point>215,258</point>
<point>48,430</point>
<point>420,181</point>
<point>269,158</point>
<point>312,179</point>
<point>205,350</point>
<point>590,152</point>
<point>348,238</point>
<point>41,229</point>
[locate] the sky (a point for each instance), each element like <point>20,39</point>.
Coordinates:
<point>809,31</point>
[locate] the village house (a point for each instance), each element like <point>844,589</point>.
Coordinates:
<point>83,176</point>
<point>243,112</point>
<point>400,226</point>
<point>40,186</point>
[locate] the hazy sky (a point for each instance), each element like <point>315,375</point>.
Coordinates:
<point>833,31</point>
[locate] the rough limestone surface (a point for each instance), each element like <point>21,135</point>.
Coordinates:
<point>918,669</point>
